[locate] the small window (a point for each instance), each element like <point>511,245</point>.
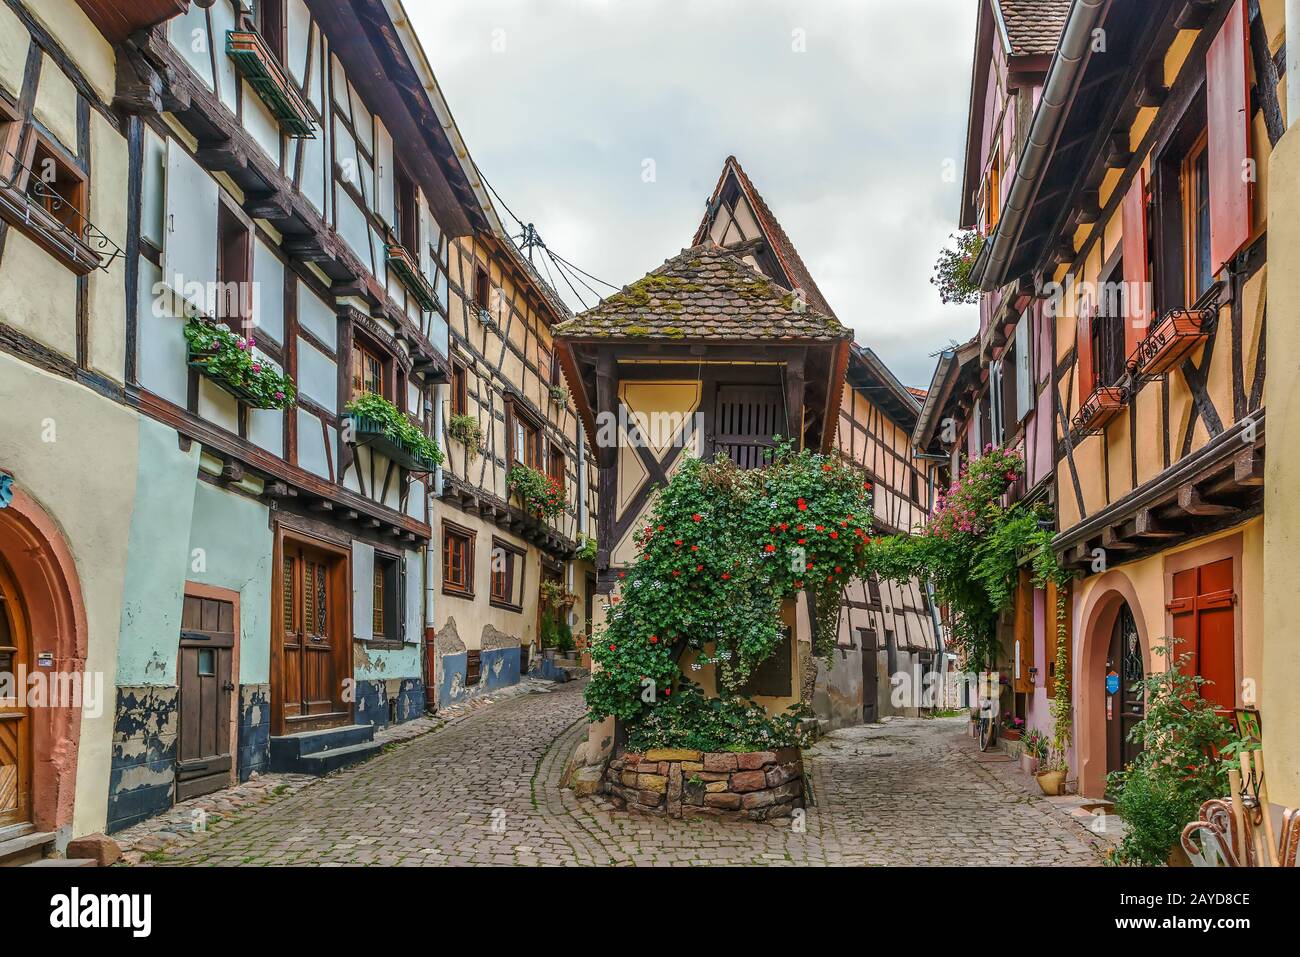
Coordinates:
<point>1196,180</point>
<point>481,287</point>
<point>57,187</point>
<point>526,442</point>
<point>459,389</point>
<point>507,575</point>
<point>555,464</point>
<point>234,270</point>
<point>367,371</point>
<point>408,216</point>
<point>457,560</point>
<point>472,669</point>
<point>268,16</point>
<point>387,624</point>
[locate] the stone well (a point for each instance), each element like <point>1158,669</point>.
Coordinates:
<point>746,786</point>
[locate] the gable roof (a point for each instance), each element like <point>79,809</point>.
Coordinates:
<point>703,293</point>
<point>1032,27</point>
<point>796,272</point>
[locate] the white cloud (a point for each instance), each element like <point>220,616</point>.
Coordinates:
<point>845,141</point>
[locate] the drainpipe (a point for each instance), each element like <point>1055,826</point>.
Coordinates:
<point>1061,80</point>
<point>432,495</point>
<point>582,465</point>
<point>1292,63</point>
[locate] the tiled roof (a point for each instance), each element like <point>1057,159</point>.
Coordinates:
<point>919,393</point>
<point>1034,26</point>
<point>781,243</point>
<point>705,293</point>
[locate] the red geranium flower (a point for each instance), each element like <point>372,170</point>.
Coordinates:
<point>726,576</point>
<point>699,568</point>
<point>697,516</point>
<point>835,534</point>
<point>770,548</point>
<point>612,648</point>
<point>654,639</point>
<point>803,506</point>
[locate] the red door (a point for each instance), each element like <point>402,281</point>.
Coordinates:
<point>1204,618</point>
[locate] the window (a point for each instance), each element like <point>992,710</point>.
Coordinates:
<point>1107,333</point>
<point>507,575</point>
<point>481,287</point>
<point>1196,215</point>
<point>472,666</point>
<point>408,216</point>
<point>269,20</point>
<point>234,270</point>
<point>457,560</point>
<point>57,187</point>
<point>525,440</point>
<point>388,622</point>
<point>555,464</point>
<point>367,371</point>
<point>990,192</point>
<point>459,389</point>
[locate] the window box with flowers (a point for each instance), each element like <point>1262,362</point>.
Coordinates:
<point>539,495</point>
<point>377,423</point>
<point>228,360</point>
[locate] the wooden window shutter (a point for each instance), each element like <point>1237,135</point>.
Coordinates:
<point>1024,367</point>
<point>1086,365</point>
<point>1050,644</point>
<point>1202,609</point>
<point>1227,85</point>
<point>1137,312</point>
<point>1024,632</point>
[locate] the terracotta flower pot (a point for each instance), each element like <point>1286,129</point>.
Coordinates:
<point>1009,734</point>
<point>1051,782</point>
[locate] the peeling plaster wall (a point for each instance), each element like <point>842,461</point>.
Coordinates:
<point>254,729</point>
<point>143,769</point>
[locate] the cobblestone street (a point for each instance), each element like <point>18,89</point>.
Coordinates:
<point>485,790</point>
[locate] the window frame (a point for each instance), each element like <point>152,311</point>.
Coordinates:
<point>517,419</point>
<point>459,388</point>
<point>513,576</point>
<point>452,531</point>
<point>394,604</point>
<point>360,348</point>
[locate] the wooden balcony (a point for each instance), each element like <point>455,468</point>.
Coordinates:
<point>1102,406</point>
<point>403,263</point>
<point>265,76</point>
<point>1173,339</point>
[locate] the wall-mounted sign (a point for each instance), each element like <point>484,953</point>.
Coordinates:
<point>45,660</point>
<point>1112,683</point>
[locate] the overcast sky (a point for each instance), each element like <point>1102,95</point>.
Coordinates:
<point>562,101</point>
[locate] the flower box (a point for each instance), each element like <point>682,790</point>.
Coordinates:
<point>1102,406</point>
<point>206,343</point>
<point>1172,339</point>
<point>374,435</point>
<point>258,66</point>
<point>401,262</point>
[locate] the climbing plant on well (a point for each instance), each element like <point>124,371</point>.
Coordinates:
<point>722,549</point>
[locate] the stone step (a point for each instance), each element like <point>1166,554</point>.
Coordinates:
<point>323,762</point>
<point>23,845</point>
<point>288,749</point>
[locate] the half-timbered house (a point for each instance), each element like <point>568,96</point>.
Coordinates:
<point>1136,213</point>
<point>512,586</point>
<point>70,444</point>
<point>296,178</point>
<point>889,642</point>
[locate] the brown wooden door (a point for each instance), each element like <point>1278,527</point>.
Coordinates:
<point>15,718</point>
<point>312,639</point>
<point>870,684</point>
<point>207,690</point>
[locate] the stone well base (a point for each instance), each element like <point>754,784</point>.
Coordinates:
<point>750,786</point>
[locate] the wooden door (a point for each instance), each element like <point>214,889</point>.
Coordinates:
<point>745,419</point>
<point>207,691</point>
<point>312,630</point>
<point>1203,610</point>
<point>15,718</point>
<point>1126,706</point>
<point>870,686</point>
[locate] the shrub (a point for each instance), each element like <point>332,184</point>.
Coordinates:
<point>688,719</point>
<point>953,268</point>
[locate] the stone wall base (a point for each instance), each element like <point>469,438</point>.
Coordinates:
<point>676,782</point>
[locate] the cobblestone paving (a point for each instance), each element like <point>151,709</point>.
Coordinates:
<point>485,790</point>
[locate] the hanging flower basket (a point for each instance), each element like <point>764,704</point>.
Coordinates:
<point>377,424</point>
<point>227,360</point>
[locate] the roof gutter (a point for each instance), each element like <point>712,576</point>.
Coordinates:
<point>1062,80</point>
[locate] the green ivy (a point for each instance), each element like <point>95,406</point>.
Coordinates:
<point>586,550</point>
<point>396,426</point>
<point>723,548</point>
<point>229,358</point>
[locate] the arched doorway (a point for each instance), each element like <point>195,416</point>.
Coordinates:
<point>45,626</point>
<point>1126,704</point>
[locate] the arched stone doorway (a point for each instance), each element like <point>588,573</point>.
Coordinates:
<point>1113,631</point>
<point>44,611</point>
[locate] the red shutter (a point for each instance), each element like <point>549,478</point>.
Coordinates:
<point>1086,371</point>
<point>1203,610</point>
<point>1137,310</point>
<point>1228,119</point>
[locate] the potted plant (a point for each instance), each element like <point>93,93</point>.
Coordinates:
<point>538,494</point>
<point>1051,773</point>
<point>1033,750</point>
<point>466,430</point>
<point>229,361</point>
<point>559,394</point>
<point>1012,728</point>
<point>376,422</point>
